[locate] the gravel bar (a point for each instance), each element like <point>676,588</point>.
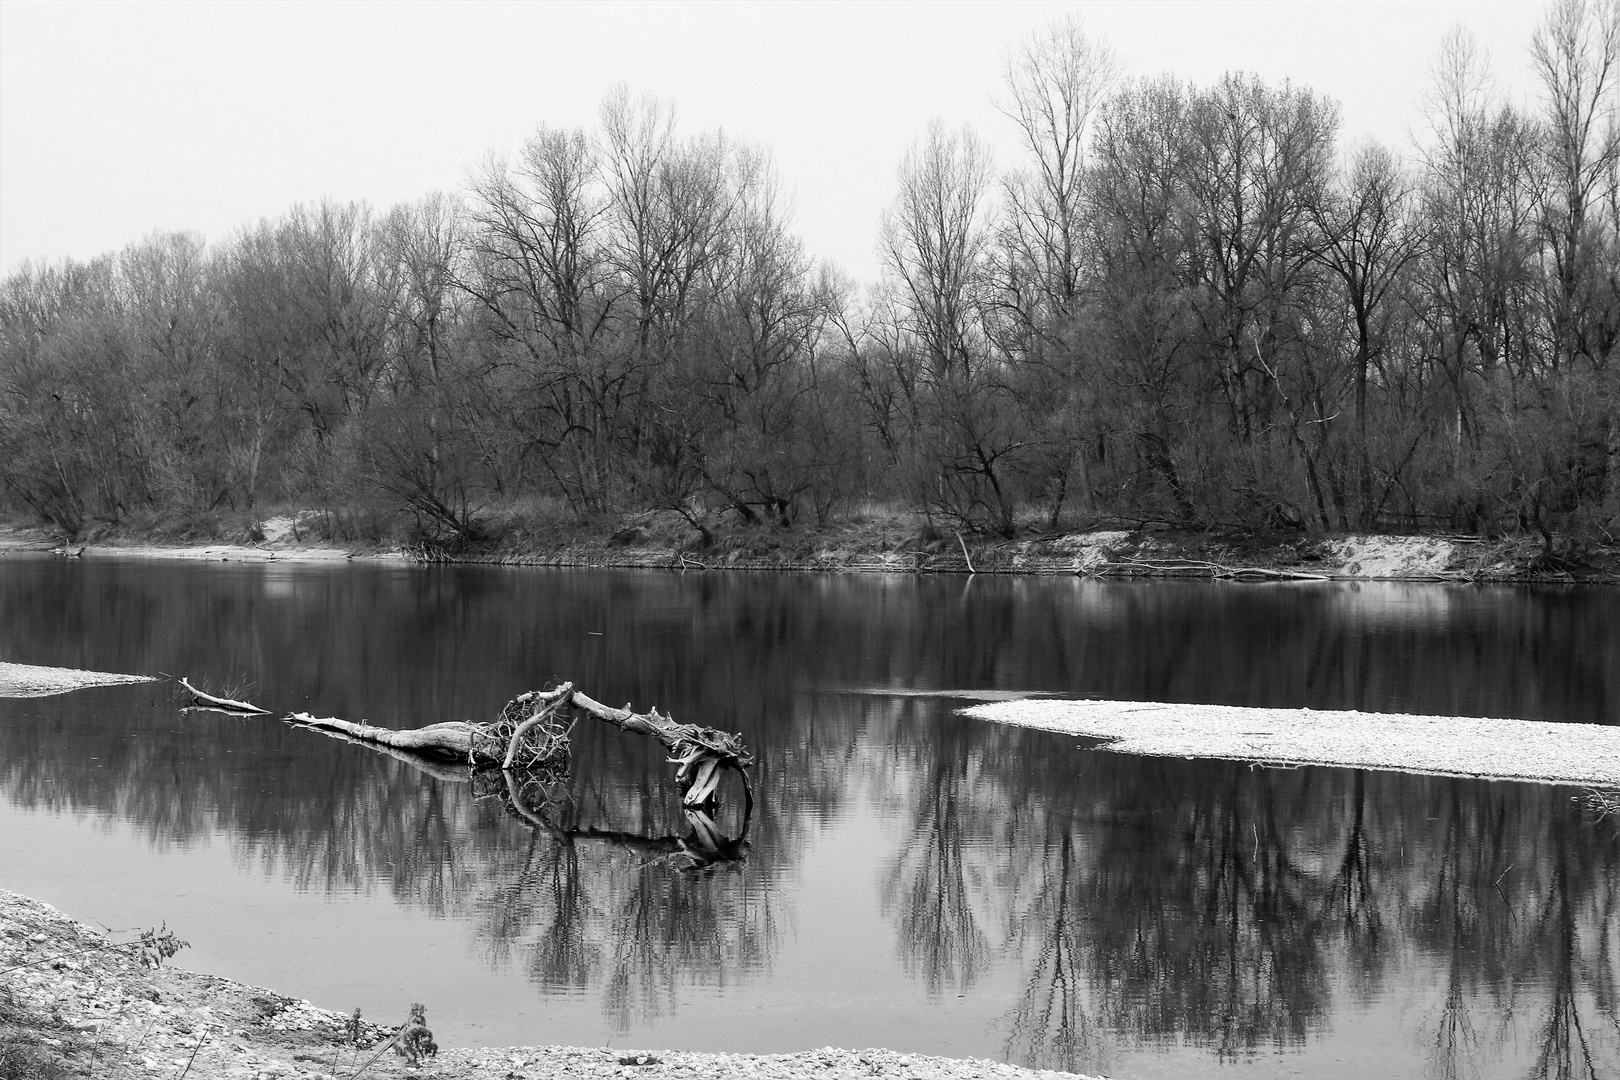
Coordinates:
<point>27,680</point>
<point>1531,750</point>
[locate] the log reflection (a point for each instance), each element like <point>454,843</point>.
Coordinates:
<point>542,800</point>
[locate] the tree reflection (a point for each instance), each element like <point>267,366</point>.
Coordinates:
<point>1215,904</point>
<point>1579,1032</point>
<point>926,887</point>
<point>1051,1027</point>
<point>1351,900</point>
<point>1237,965</point>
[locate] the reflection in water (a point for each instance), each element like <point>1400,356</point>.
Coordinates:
<point>1090,907</point>
<point>926,887</point>
<point>1155,903</point>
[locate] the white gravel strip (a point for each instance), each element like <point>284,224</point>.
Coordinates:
<point>1587,754</point>
<point>220,553</point>
<point>27,680</point>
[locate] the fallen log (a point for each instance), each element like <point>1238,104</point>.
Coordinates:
<point>454,737</point>
<point>435,765</point>
<point>530,734</point>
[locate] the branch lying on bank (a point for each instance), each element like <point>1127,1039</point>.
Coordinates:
<point>1190,568</point>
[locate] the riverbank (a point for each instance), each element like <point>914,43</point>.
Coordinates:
<point>75,1001</point>
<point>890,544</point>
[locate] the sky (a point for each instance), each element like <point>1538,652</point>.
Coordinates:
<point>120,119</point>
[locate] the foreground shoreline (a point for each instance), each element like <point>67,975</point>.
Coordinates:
<point>73,1002</point>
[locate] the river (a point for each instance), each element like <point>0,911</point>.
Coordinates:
<point>909,879</point>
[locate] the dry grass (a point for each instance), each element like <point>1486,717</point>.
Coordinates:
<point>33,1046</point>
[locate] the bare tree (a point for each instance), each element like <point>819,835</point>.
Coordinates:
<point>421,431</point>
<point>933,242</point>
<point>934,248</point>
<point>1056,80</point>
<point>1145,235</point>
<point>542,273</point>
<point>172,314</point>
<point>1370,238</point>
<point>1576,52</point>
<point>669,206</point>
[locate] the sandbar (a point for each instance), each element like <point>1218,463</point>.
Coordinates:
<point>1496,749</point>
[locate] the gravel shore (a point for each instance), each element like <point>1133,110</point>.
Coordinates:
<point>1587,754</point>
<point>74,1003</point>
<point>29,680</point>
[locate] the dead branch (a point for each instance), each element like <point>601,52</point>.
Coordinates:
<point>699,753</point>
<point>965,556</point>
<point>246,708</point>
<point>1192,568</point>
<point>551,745</point>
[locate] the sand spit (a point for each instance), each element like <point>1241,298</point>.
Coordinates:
<point>1584,754</point>
<point>70,1001</point>
<point>27,680</point>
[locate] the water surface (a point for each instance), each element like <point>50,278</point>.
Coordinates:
<point>912,879</point>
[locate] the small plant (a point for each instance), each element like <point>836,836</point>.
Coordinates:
<point>150,950</point>
<point>415,1041</point>
<point>641,1059</point>
<point>156,946</point>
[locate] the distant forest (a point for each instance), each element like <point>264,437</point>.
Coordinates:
<point>1184,304</point>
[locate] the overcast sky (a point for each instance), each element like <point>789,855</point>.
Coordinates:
<point>118,119</point>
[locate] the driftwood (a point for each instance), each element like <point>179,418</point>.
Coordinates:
<point>435,765</point>
<point>209,701</point>
<point>532,796</point>
<point>453,738</point>
<point>529,734</point>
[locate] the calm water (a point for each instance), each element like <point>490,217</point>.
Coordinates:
<point>912,879</point>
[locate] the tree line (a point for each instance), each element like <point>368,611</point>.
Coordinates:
<point>1183,304</point>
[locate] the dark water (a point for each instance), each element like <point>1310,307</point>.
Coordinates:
<point>912,879</point>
